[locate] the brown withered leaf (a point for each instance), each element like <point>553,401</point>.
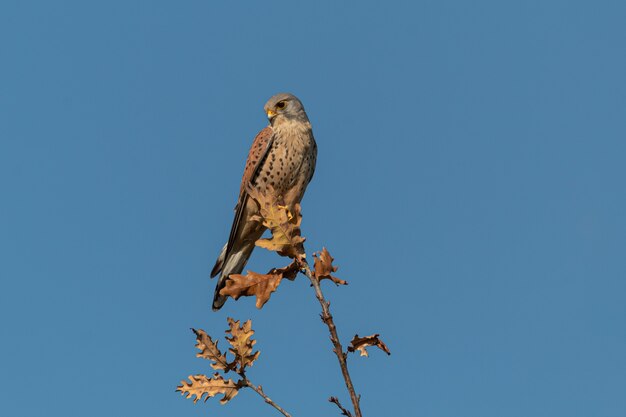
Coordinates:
<point>361,343</point>
<point>201,385</point>
<point>286,237</point>
<point>290,271</point>
<point>209,350</point>
<point>252,284</point>
<point>260,285</point>
<point>242,343</point>
<point>324,267</point>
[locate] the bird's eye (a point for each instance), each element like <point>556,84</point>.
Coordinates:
<point>281,105</point>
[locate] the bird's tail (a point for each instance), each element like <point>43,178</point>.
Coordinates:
<point>217,268</point>
<point>227,264</point>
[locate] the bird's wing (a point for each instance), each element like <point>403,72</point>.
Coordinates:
<point>258,152</point>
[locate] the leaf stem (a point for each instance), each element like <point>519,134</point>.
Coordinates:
<point>338,349</point>
<point>259,390</point>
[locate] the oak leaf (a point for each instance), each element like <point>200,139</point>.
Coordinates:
<point>209,350</point>
<point>201,385</point>
<point>260,285</point>
<point>242,343</point>
<point>290,271</point>
<point>283,223</point>
<point>361,343</point>
<point>324,267</point>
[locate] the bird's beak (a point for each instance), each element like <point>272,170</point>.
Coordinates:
<point>270,115</point>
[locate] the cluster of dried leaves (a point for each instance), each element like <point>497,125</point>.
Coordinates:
<point>286,240</point>
<point>285,225</point>
<point>241,349</point>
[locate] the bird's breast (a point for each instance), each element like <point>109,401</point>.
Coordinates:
<point>289,162</point>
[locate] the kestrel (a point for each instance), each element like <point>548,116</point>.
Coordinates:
<point>282,156</point>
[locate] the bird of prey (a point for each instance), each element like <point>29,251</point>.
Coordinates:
<point>282,157</point>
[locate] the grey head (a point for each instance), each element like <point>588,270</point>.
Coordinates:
<point>284,107</point>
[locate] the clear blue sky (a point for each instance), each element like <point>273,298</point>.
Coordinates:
<point>470,184</point>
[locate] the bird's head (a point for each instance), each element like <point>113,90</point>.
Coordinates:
<point>284,107</point>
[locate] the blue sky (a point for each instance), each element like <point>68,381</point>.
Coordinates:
<point>470,184</point>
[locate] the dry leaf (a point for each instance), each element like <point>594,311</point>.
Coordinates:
<point>260,285</point>
<point>290,271</point>
<point>201,385</point>
<point>324,267</point>
<point>284,225</point>
<point>209,350</point>
<point>361,343</point>
<point>241,343</point>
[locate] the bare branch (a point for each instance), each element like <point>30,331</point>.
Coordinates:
<point>344,412</point>
<point>259,390</point>
<point>338,349</point>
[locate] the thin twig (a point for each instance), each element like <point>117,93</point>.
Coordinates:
<point>246,383</point>
<point>328,319</point>
<point>344,412</point>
